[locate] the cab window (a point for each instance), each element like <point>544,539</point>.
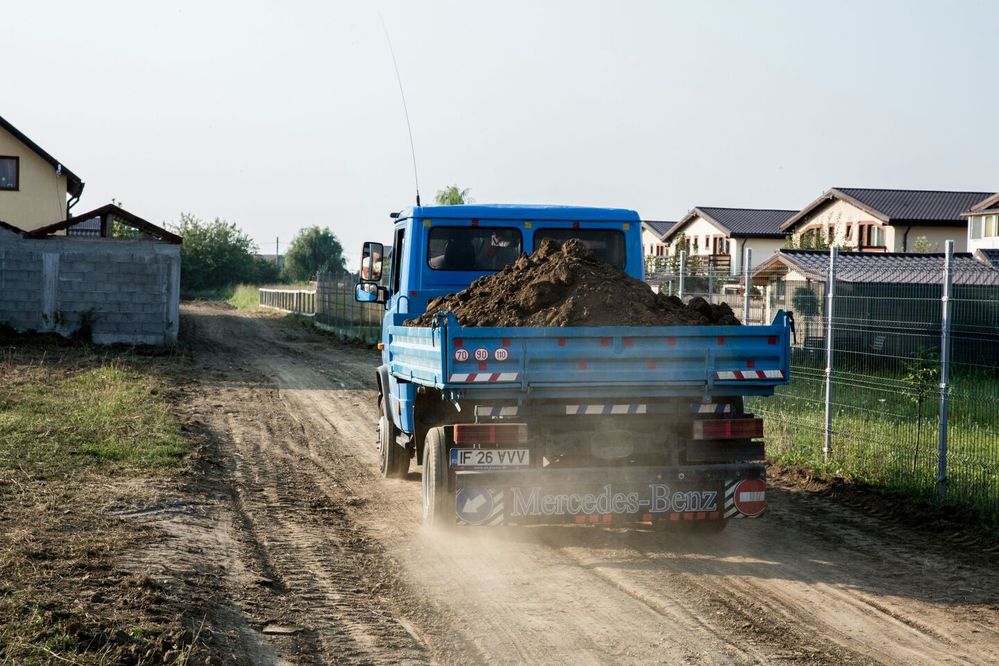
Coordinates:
<point>472,248</point>
<point>607,244</point>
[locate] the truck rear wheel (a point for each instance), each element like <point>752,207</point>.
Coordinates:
<point>393,460</point>
<point>435,494</point>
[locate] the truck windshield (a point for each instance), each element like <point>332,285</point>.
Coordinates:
<point>607,244</point>
<point>472,248</point>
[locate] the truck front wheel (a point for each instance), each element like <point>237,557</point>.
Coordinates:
<point>393,460</point>
<point>435,495</point>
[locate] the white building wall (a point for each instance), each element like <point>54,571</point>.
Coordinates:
<point>985,242</point>
<point>763,249</point>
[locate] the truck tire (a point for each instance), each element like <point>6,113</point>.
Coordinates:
<point>393,460</point>
<point>435,494</point>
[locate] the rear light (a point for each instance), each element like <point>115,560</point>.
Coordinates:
<point>489,433</point>
<point>728,429</point>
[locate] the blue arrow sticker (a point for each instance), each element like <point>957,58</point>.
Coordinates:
<point>473,506</point>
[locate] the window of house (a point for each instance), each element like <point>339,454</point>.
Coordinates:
<point>695,243</point>
<point>877,236</point>
<point>9,173</point>
<point>849,231</point>
<point>977,221</point>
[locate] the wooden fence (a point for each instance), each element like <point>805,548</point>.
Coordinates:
<point>298,301</point>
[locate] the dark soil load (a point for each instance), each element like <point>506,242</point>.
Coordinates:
<point>568,285</point>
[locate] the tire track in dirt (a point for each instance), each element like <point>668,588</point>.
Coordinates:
<point>808,584</point>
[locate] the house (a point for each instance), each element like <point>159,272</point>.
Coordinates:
<point>983,224</point>
<point>652,237</point>
<point>880,220</point>
<point>36,189</point>
<point>888,304</point>
<point>106,274</point>
<point>720,236</point>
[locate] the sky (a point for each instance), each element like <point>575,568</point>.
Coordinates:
<point>282,115</point>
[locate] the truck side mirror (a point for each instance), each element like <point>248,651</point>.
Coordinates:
<point>369,293</point>
<point>371,262</point>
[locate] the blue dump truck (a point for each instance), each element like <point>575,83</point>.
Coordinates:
<point>588,425</point>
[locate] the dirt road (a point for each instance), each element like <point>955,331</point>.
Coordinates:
<point>327,563</point>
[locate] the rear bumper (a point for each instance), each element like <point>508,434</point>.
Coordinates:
<point>609,494</point>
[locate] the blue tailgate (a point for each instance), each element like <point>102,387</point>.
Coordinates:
<point>574,361</point>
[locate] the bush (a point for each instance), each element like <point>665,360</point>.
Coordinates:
<point>215,254</point>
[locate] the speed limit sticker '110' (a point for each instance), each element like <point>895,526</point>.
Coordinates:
<point>501,354</point>
<point>461,355</point>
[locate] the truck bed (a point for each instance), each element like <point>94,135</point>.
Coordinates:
<point>567,362</point>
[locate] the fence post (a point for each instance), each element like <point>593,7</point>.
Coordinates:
<point>711,283</point>
<point>747,285</point>
<point>683,268</point>
<point>944,367</point>
<point>830,295</point>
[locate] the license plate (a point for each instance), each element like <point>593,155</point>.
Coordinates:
<point>490,458</point>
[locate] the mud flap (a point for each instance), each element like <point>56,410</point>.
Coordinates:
<point>609,495</point>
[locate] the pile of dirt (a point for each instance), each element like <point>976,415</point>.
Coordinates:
<point>568,285</point>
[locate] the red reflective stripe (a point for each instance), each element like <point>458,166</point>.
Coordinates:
<point>671,342</point>
<point>750,363</point>
<point>772,340</point>
<point>482,365</point>
<point>701,515</point>
<point>721,339</point>
<point>582,365</point>
<point>646,518</point>
<point>575,225</point>
<point>628,342</point>
<point>475,223</point>
<point>651,365</point>
<point>458,342</point>
<point>493,377</point>
<point>604,342</point>
<point>561,342</point>
<point>505,342</point>
<point>713,515</point>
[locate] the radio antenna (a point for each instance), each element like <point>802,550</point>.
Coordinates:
<point>405,109</point>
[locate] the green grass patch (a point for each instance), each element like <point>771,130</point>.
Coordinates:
<point>55,420</point>
<point>886,431</point>
<point>243,296</point>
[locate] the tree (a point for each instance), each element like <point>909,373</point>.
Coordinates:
<point>452,195</point>
<point>923,245</point>
<point>215,254</point>
<point>312,251</point>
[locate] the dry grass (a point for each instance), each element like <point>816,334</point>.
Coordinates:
<point>80,430</point>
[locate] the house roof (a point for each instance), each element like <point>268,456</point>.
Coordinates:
<point>117,213</point>
<point>739,222</point>
<point>880,268</point>
<point>659,227</point>
<point>73,183</point>
<point>988,256</point>
<point>988,204</point>
<point>899,207</point>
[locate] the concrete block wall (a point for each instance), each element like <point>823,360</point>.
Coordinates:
<point>127,291</point>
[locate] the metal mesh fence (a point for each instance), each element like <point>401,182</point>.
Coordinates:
<point>714,283</point>
<point>884,393</point>
<point>338,312</point>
